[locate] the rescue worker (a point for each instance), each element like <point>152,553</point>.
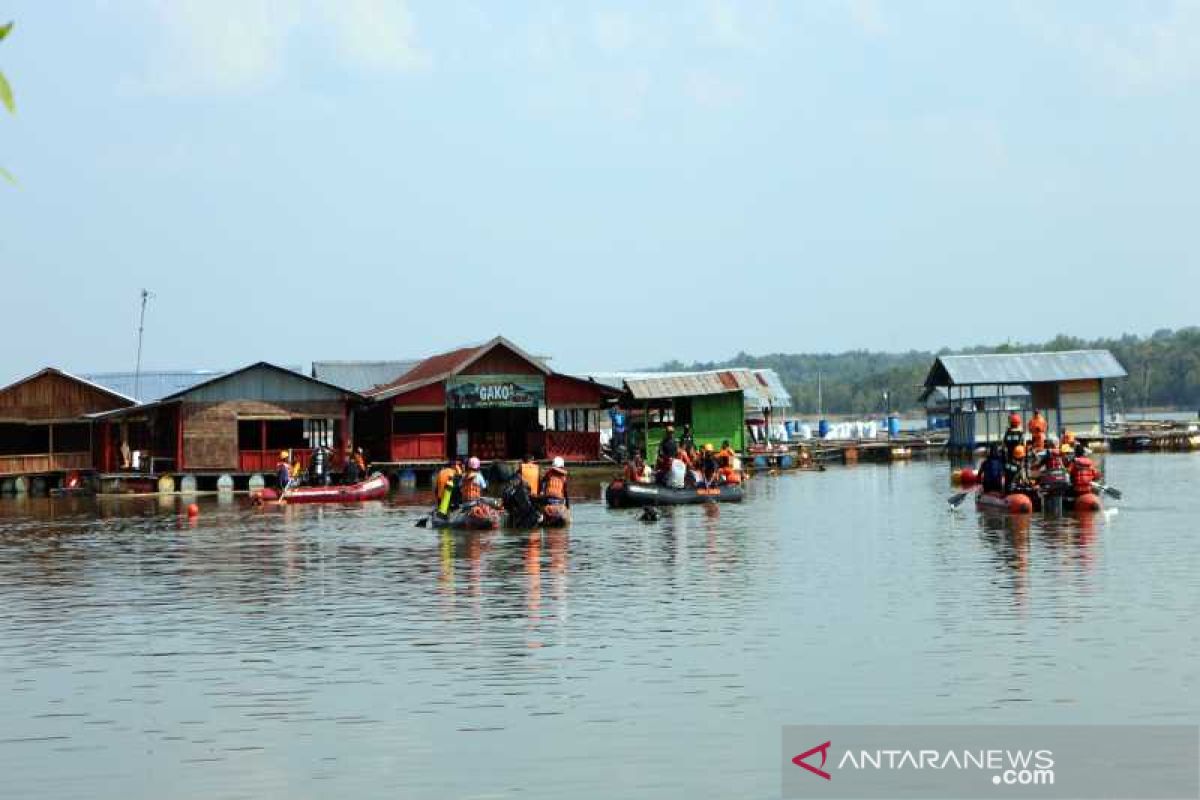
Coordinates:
<point>1015,474</point>
<point>726,455</point>
<point>668,451</point>
<point>283,471</point>
<point>687,440</point>
<point>446,476</point>
<point>1083,475</point>
<point>1037,431</point>
<point>351,474</point>
<point>318,467</point>
<point>709,468</point>
<point>360,458</point>
<point>1078,447</point>
<point>530,473</point>
<point>554,484</point>
<point>1014,436</point>
<point>992,471</point>
<point>472,482</point>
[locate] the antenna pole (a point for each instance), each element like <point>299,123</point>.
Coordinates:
<point>137,372</point>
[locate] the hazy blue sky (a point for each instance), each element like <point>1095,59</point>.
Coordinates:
<point>613,184</point>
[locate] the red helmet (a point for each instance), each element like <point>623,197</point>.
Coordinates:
<point>1014,420</point>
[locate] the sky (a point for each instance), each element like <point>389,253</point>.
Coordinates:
<point>610,184</point>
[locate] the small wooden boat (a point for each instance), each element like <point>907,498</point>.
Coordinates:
<point>373,488</point>
<point>620,494</point>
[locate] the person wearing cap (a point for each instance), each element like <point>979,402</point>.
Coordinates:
<point>554,483</point>
<point>472,484</point>
<point>283,471</point>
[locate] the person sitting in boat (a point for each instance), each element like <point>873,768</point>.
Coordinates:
<point>635,469</point>
<point>360,458</point>
<point>1013,437</point>
<point>351,474</point>
<point>1077,447</point>
<point>283,471</point>
<point>1037,431</point>
<point>992,471</point>
<point>530,473</point>
<point>472,483</point>
<point>676,477</point>
<point>1083,475</point>
<point>1016,476</point>
<point>710,470</point>
<point>726,455</point>
<point>554,484</point>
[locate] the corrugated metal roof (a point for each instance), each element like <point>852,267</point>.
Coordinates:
<point>359,376</point>
<point>153,385</point>
<point>661,385</point>
<point>776,393</point>
<point>1007,368</point>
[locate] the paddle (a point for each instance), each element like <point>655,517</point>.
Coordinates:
<point>423,522</point>
<point>956,500</point>
<point>1108,490</point>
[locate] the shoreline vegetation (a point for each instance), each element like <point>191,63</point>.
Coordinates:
<point>1164,373</point>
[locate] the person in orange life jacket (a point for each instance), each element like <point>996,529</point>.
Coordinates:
<point>554,483</point>
<point>530,473</point>
<point>446,475</point>
<point>360,458</point>
<point>1014,436</point>
<point>1083,475</point>
<point>1015,474</point>
<point>472,482</point>
<point>1037,431</point>
<point>726,455</point>
<point>992,471</point>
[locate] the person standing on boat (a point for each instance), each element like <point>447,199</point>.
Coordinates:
<point>554,484</point>
<point>283,471</point>
<point>1015,474</point>
<point>1014,436</point>
<point>530,473</point>
<point>709,468</point>
<point>352,473</point>
<point>668,451</point>
<point>1037,431</point>
<point>472,484</point>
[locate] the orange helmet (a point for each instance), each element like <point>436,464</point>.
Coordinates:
<point>1019,451</point>
<point>1014,420</point>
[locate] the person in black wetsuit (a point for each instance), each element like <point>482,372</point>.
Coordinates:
<point>991,471</point>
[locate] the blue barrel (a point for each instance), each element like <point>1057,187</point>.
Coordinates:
<point>408,478</point>
<point>760,462</point>
<point>893,423</point>
<point>823,428</point>
<point>785,462</point>
<point>789,425</point>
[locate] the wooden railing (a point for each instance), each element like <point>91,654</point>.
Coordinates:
<point>44,462</point>
<point>265,460</point>
<point>573,445</point>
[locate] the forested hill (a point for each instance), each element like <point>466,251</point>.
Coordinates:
<point>1164,370</point>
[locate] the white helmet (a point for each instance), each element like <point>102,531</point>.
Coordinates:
<point>558,462</point>
<point>472,463</point>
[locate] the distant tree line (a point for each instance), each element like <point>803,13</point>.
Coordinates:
<point>1164,371</point>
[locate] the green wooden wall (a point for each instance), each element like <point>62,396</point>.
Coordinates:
<point>715,418</point>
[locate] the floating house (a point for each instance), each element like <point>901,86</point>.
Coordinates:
<point>987,397</point>
<point>767,402</point>
<point>712,403</point>
<point>44,427</point>
<point>982,390</point>
<point>234,423</point>
<point>493,401</point>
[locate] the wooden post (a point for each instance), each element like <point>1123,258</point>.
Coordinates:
<point>50,438</point>
<point>179,438</point>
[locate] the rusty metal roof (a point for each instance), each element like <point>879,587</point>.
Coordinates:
<point>663,385</point>
<point>1008,368</point>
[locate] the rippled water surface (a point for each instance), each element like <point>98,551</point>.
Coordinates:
<point>323,651</point>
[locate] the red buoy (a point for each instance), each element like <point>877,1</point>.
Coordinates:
<point>967,477</point>
<point>193,510</point>
<point>1019,504</point>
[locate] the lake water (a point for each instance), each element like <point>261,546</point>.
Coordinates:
<point>323,652</point>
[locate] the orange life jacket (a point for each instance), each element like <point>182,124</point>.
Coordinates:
<point>470,487</point>
<point>725,457</point>
<point>731,475</point>
<point>632,473</point>
<point>530,474</point>
<point>1037,431</point>
<point>1082,475</point>
<point>555,484</point>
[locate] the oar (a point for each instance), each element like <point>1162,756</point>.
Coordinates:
<point>423,522</point>
<point>1108,490</point>
<point>957,499</point>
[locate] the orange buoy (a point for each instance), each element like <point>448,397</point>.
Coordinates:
<point>193,510</point>
<point>1019,504</point>
<point>1087,502</point>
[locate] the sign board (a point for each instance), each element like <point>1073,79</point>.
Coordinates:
<point>495,391</point>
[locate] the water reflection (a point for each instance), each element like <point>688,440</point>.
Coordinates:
<point>264,651</point>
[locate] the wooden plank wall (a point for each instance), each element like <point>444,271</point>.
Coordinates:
<point>53,396</point>
<point>210,436</point>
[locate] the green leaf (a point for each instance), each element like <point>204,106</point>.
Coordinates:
<point>4,29</point>
<point>6,94</point>
<point>8,176</point>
